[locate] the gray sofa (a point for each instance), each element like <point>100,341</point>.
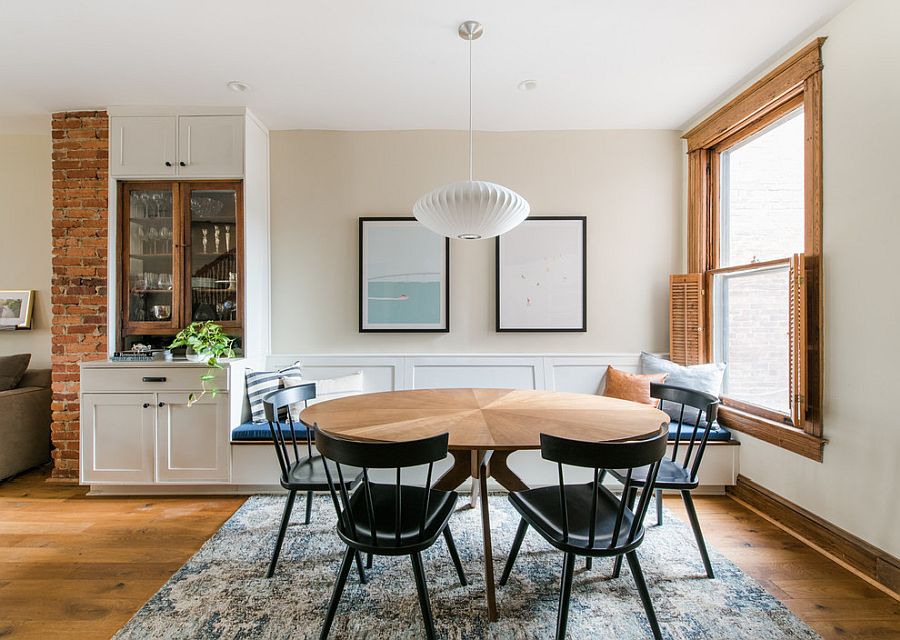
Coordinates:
<point>25,424</point>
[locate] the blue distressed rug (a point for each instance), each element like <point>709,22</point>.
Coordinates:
<point>222,593</point>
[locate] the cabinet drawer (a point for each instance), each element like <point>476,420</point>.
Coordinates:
<point>150,379</point>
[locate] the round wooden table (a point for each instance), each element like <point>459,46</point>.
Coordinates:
<point>485,427</point>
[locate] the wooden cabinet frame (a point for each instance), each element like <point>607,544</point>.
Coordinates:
<point>795,83</point>
<point>181,257</point>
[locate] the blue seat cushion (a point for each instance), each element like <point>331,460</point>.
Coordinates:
<point>717,434</point>
<point>259,431</point>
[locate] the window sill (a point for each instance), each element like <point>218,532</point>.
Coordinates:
<point>789,438</point>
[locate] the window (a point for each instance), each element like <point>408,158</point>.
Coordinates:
<point>754,238</point>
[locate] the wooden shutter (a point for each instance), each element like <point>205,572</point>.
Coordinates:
<point>687,340</point>
<point>797,340</point>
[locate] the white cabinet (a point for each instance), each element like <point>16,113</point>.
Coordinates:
<point>210,146</point>
<point>117,437</point>
<point>184,146</point>
<point>143,145</point>
<point>191,446</point>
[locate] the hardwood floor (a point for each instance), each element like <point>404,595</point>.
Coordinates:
<point>79,567</point>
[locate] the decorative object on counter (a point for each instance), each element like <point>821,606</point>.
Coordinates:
<point>541,270</point>
<point>207,341</point>
<point>404,277</point>
<point>16,309</point>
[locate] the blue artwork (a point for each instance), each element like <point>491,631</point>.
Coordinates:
<point>404,276</point>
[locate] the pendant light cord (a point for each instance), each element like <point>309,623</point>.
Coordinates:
<point>471,145</point>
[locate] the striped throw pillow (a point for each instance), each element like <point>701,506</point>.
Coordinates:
<point>262,383</point>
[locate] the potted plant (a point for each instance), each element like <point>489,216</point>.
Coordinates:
<point>205,342</point>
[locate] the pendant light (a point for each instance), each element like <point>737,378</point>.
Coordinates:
<point>473,209</point>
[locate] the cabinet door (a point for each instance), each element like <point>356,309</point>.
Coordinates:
<point>192,442</point>
<point>210,146</point>
<point>117,438</point>
<point>142,145</point>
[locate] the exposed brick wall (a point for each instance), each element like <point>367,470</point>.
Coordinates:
<point>78,287</point>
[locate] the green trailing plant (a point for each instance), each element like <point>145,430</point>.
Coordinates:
<point>206,339</point>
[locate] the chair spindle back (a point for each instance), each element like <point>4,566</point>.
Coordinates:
<point>277,403</point>
<point>706,406</point>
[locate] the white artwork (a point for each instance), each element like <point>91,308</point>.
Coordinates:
<point>541,276</point>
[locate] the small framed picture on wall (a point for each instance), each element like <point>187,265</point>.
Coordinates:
<point>542,275</point>
<point>404,277</point>
<point>16,309</point>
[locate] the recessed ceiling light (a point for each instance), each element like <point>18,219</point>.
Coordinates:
<point>528,85</point>
<point>240,87</point>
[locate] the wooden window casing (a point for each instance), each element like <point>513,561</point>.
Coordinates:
<point>795,83</point>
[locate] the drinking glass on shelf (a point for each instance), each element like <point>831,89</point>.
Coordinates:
<point>153,236</point>
<point>165,235</point>
<point>165,281</point>
<point>145,203</point>
<point>157,202</point>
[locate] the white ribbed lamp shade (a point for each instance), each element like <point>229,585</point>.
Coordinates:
<point>471,210</point>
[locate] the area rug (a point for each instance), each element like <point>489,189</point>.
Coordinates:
<point>222,593</point>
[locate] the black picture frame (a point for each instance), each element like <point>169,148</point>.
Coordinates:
<point>498,278</point>
<point>363,328</point>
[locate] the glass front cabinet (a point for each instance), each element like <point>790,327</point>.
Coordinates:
<point>180,259</point>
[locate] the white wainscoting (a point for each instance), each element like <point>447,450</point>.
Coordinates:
<point>553,372</point>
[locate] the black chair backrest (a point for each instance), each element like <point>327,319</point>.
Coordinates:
<point>707,408</point>
<point>608,455</point>
<point>278,403</point>
<point>378,455</point>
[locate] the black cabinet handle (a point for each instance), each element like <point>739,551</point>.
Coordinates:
<point>153,379</point>
<point>168,164</point>
<point>161,404</point>
<point>182,163</point>
<point>146,404</point>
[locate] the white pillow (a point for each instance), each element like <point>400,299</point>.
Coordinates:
<point>327,389</point>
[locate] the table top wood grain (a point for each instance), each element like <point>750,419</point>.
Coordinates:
<point>484,419</point>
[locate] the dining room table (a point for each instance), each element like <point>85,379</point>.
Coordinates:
<point>485,427</point>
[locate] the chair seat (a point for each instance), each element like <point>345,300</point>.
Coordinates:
<point>542,510</point>
<point>672,475</point>
<point>308,474</point>
<point>412,501</point>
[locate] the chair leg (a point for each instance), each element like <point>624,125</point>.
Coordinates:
<point>588,563</point>
<point>422,588</point>
<point>659,507</point>
<point>632,496</point>
<point>309,501</point>
<point>645,595</point>
<point>698,534</point>
<point>565,594</point>
<point>288,507</point>
<point>514,551</point>
<point>454,555</point>
<point>368,561</point>
<point>359,568</point>
<point>338,590</point>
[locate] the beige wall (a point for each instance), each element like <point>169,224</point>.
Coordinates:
<point>857,487</point>
<point>628,184</point>
<point>25,208</point>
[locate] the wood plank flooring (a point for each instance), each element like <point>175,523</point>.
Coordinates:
<point>79,567</point>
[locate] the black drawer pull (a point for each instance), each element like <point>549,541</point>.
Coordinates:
<point>154,379</point>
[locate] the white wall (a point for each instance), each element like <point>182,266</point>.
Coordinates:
<point>628,184</point>
<point>857,487</point>
<point>25,240</point>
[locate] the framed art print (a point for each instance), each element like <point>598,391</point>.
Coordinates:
<point>542,275</point>
<point>16,308</point>
<point>404,277</point>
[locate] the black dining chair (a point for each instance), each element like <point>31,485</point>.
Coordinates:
<point>588,519</point>
<point>388,519</point>
<point>301,468</point>
<point>697,412</point>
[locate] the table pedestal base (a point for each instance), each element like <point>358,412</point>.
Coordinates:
<point>480,465</point>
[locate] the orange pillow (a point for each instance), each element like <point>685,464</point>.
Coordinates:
<point>631,386</point>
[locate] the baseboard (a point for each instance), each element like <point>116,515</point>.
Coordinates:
<point>865,558</point>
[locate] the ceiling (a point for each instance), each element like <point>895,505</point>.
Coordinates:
<point>398,64</point>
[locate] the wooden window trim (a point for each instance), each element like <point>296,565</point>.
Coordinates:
<point>796,82</point>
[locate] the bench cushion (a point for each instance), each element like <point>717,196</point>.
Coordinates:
<point>256,432</point>
<point>718,433</point>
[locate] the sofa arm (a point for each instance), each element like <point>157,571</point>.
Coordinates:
<point>24,429</point>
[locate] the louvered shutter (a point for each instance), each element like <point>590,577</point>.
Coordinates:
<point>797,340</point>
<point>687,339</point>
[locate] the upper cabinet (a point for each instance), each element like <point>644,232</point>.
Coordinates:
<point>189,146</point>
